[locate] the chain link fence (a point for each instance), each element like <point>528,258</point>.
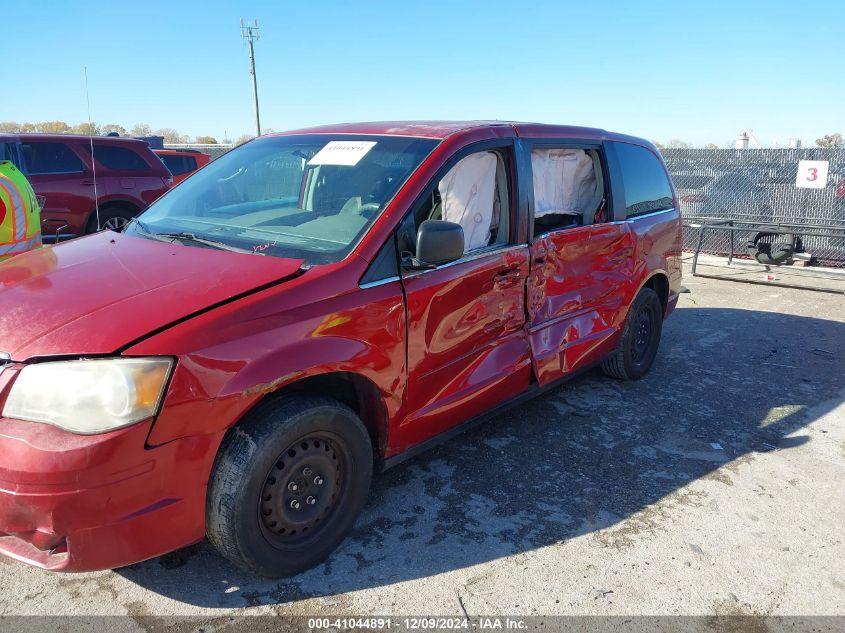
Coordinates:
<point>746,190</point>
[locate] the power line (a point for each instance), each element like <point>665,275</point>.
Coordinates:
<point>250,34</point>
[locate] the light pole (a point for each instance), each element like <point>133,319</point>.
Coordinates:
<point>250,34</point>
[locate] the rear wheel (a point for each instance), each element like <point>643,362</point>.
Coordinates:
<point>640,339</point>
<point>287,485</point>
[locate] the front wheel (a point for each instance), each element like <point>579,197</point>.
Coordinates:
<point>112,218</point>
<point>640,339</point>
<point>287,485</point>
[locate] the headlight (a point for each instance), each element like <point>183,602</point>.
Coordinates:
<point>89,396</point>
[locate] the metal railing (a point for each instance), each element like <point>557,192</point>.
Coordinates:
<point>699,228</point>
<point>757,189</point>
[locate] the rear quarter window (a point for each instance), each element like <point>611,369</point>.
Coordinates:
<point>7,152</point>
<point>179,164</point>
<point>645,182</point>
<point>118,158</point>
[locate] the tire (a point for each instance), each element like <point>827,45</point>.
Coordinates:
<point>773,249</point>
<point>112,218</point>
<point>287,485</point>
<point>640,339</point>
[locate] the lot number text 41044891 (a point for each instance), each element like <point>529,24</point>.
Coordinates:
<point>418,623</point>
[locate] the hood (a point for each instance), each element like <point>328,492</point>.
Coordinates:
<point>96,294</point>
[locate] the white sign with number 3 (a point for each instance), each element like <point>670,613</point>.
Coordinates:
<point>812,174</point>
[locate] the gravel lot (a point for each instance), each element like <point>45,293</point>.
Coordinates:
<point>712,486</point>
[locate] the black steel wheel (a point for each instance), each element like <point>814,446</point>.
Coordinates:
<point>287,484</point>
<point>302,489</point>
<point>640,339</point>
<point>643,327</point>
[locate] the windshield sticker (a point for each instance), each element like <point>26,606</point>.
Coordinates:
<point>342,153</point>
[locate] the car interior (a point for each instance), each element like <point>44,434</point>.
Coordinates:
<point>569,189</point>
<point>300,203</point>
<point>473,193</point>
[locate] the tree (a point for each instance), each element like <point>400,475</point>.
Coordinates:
<point>113,127</point>
<point>206,140</point>
<point>53,127</point>
<point>678,144</point>
<point>711,146</point>
<point>87,129</point>
<point>243,139</point>
<point>831,140</point>
<point>9,127</point>
<point>140,129</point>
<point>170,135</point>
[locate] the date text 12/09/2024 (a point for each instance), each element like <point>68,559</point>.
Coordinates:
<point>418,623</point>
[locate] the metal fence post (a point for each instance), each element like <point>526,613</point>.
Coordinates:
<point>731,256</point>
<point>697,249</point>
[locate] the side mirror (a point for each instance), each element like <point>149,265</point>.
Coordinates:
<point>438,242</point>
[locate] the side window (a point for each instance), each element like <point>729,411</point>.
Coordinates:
<point>50,158</point>
<point>7,152</point>
<point>179,164</point>
<point>173,164</point>
<point>118,158</point>
<point>473,193</point>
<point>569,188</point>
<point>278,176</point>
<point>645,181</point>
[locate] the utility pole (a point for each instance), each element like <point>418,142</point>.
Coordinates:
<point>250,34</point>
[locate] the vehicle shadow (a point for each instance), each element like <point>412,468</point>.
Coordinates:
<point>728,385</point>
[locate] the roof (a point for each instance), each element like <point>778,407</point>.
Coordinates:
<point>176,150</point>
<point>425,129</point>
<point>70,137</point>
<point>444,129</point>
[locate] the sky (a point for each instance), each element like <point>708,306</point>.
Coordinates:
<point>695,71</point>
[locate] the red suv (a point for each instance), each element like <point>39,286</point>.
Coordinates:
<point>121,180</point>
<point>182,162</point>
<point>308,307</point>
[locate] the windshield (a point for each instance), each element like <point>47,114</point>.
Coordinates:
<point>304,197</point>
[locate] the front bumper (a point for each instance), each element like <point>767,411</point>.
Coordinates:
<point>82,503</point>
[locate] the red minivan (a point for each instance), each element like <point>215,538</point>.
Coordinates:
<point>306,308</point>
<point>84,193</point>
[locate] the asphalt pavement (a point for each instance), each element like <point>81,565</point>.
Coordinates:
<point>713,486</point>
